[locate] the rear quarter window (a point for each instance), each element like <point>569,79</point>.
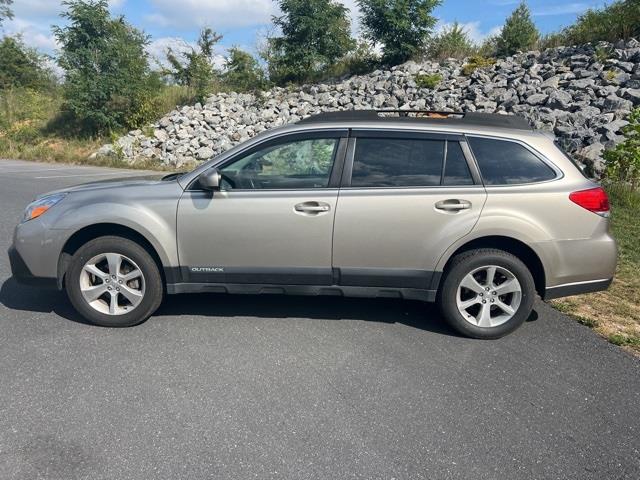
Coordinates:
<point>582,169</point>
<point>503,162</point>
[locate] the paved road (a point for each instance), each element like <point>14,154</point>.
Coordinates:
<point>267,387</point>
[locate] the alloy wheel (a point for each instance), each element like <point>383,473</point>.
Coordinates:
<point>489,296</point>
<point>112,283</point>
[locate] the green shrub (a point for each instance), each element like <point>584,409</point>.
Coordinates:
<point>170,97</point>
<point>195,68</point>
<point>21,66</point>
<point>619,20</point>
<point>243,73</point>
<point>623,161</point>
<point>22,107</point>
<point>489,47</point>
<point>551,40</point>
<point>360,61</point>
<point>476,62</point>
<point>428,81</point>
<point>519,32</point>
<point>452,42</point>
<point>602,53</point>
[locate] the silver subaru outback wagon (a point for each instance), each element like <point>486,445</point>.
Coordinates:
<point>477,212</point>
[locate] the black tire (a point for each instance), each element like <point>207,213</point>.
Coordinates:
<point>467,262</point>
<point>153,293</point>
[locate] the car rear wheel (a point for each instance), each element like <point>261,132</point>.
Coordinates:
<point>486,293</point>
<point>114,282</point>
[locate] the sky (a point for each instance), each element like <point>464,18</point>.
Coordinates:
<point>244,23</point>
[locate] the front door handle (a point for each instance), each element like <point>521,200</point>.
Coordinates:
<point>453,205</point>
<point>312,207</point>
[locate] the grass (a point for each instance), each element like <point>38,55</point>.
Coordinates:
<point>615,313</point>
<point>54,149</point>
<point>26,132</point>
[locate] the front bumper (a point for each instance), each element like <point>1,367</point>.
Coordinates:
<point>20,271</point>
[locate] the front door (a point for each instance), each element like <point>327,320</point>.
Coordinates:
<point>407,198</point>
<point>272,221</point>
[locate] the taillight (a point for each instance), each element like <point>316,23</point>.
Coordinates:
<point>594,199</point>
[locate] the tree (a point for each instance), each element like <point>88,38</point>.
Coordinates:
<point>402,27</point>
<point>195,68</point>
<point>243,73</point>
<point>519,32</point>
<point>21,66</point>
<point>315,33</point>
<point>452,42</point>
<point>108,84</point>
<point>618,20</point>
<point>5,10</point>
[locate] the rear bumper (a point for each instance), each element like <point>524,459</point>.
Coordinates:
<point>20,271</point>
<point>576,288</point>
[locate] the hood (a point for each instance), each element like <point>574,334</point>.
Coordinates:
<point>110,184</point>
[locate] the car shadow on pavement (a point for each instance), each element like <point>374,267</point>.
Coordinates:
<point>411,313</point>
<point>15,296</point>
<point>415,314</point>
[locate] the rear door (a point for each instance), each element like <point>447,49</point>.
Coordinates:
<point>406,197</point>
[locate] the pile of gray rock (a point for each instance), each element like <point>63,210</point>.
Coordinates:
<point>583,94</point>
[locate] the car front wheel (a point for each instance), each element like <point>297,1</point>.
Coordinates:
<point>486,293</point>
<point>114,282</point>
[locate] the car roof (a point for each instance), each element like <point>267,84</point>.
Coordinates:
<point>419,118</point>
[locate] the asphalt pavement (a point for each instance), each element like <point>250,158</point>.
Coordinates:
<point>242,387</point>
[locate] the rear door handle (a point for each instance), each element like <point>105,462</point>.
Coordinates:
<point>312,207</point>
<point>453,205</point>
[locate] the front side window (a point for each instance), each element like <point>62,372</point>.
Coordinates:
<point>508,163</point>
<point>299,164</point>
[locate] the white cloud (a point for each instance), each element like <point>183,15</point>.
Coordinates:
<point>158,47</point>
<point>220,14</point>
<point>156,20</point>
<point>473,30</point>
<point>34,18</point>
<point>563,9</point>
<point>33,34</point>
<point>157,51</point>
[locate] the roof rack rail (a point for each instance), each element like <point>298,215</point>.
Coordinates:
<point>457,118</point>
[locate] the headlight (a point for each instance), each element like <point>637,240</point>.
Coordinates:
<point>40,206</point>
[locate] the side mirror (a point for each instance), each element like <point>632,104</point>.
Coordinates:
<point>210,180</point>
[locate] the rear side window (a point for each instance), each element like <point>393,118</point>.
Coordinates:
<point>508,163</point>
<point>397,162</point>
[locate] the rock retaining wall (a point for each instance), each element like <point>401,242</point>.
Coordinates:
<point>583,94</point>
